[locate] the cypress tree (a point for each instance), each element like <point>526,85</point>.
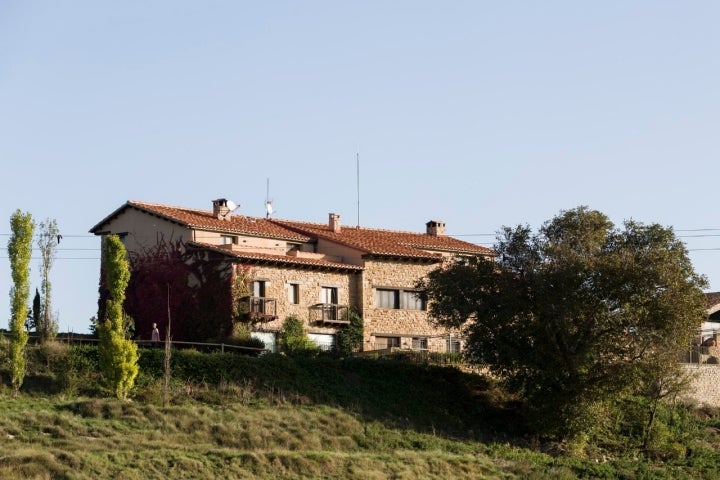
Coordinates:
<point>118,355</point>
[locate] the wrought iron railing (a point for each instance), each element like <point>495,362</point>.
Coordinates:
<point>329,313</point>
<point>261,308</point>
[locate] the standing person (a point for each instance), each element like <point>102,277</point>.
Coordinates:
<point>155,336</point>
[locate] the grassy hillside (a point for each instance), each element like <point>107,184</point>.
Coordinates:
<point>276,417</point>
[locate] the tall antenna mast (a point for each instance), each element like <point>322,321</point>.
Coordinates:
<point>357,161</point>
<point>268,202</point>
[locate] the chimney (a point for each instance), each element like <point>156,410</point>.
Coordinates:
<point>334,222</point>
<point>436,228</point>
<point>220,209</point>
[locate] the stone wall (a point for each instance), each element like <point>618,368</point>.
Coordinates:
<point>405,324</point>
<point>310,282</point>
<point>358,291</point>
<point>704,388</point>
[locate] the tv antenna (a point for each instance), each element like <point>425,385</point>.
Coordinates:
<point>268,201</point>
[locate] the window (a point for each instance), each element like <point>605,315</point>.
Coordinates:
<point>324,341</point>
<point>258,288</point>
<point>452,345</point>
<point>228,239</point>
<point>257,300</point>
<point>410,300</point>
<point>398,299</point>
<point>329,295</point>
<point>387,298</point>
<point>329,299</point>
<point>382,343</point>
<point>420,343</point>
<point>268,338</point>
<point>293,293</point>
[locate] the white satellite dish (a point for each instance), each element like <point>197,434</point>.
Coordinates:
<point>232,205</point>
<point>269,207</point>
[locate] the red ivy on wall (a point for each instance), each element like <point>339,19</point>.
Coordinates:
<point>192,286</point>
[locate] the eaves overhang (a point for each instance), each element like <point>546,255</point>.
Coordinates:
<point>277,260</point>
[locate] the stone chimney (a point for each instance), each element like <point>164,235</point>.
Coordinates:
<point>221,210</point>
<point>436,228</point>
<point>334,222</point>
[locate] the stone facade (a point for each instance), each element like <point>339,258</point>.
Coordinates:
<point>324,268</point>
<point>278,281</point>
<point>704,387</point>
<point>356,290</point>
<point>399,323</point>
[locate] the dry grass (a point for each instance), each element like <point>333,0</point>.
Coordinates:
<point>280,418</point>
<point>103,438</point>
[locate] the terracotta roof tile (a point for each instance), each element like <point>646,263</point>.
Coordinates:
<point>204,219</point>
<point>388,242</point>
<point>370,241</point>
<point>713,298</point>
<point>285,259</point>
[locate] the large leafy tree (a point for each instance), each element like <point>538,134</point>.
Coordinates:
<point>574,314</point>
<point>118,355</point>
<point>19,251</point>
<point>48,239</point>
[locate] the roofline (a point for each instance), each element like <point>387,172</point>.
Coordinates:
<point>130,204</point>
<point>421,248</point>
<point>140,207</point>
<point>712,308</point>
<point>275,259</point>
<point>390,256</point>
<point>314,235</point>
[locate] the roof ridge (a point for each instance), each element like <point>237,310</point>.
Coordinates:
<point>188,209</point>
<point>210,212</point>
<point>355,227</point>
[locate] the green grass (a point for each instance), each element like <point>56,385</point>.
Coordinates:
<point>104,438</point>
<point>278,417</point>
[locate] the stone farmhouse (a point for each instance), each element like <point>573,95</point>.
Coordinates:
<point>316,272</point>
<point>711,326</point>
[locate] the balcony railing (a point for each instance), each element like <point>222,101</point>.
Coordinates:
<point>261,309</point>
<point>329,313</point>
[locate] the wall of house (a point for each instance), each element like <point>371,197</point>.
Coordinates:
<point>704,387</point>
<point>278,280</point>
<point>347,254</point>
<point>144,231</point>
<point>245,243</point>
<point>406,324</point>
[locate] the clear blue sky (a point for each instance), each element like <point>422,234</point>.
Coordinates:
<point>478,113</point>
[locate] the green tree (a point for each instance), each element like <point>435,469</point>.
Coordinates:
<point>19,251</point>
<point>35,313</point>
<point>575,314</point>
<point>294,340</point>
<point>350,338</point>
<point>48,239</point>
<point>118,355</point>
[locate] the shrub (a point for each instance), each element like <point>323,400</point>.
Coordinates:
<point>241,338</point>
<point>293,339</point>
<point>250,343</point>
<point>77,370</point>
<point>350,338</point>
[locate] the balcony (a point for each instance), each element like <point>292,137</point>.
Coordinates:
<point>261,309</point>
<point>330,313</point>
